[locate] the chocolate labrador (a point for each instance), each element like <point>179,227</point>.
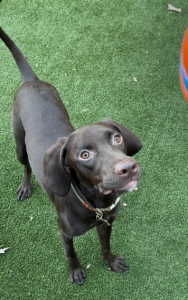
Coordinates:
<point>82,171</point>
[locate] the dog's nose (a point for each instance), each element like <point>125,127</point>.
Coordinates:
<point>126,168</point>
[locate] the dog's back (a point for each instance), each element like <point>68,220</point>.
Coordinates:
<point>44,119</point>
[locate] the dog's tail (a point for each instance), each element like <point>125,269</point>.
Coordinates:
<point>27,74</point>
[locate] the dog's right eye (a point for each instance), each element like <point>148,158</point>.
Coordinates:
<point>84,154</point>
<point>117,138</point>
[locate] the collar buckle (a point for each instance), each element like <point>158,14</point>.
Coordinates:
<point>99,216</point>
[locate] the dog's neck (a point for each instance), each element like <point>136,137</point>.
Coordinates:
<point>93,197</point>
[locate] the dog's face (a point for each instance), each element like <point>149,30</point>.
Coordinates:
<point>99,155</point>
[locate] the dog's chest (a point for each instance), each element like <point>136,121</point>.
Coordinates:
<point>78,226</point>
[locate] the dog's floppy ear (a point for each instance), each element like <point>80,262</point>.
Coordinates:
<point>132,142</point>
<point>56,179</point>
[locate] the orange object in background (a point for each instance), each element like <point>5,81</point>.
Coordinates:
<point>183,71</point>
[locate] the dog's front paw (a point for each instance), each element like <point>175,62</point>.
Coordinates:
<point>116,263</point>
<point>77,276</point>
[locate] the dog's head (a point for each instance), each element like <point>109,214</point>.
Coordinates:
<point>99,155</point>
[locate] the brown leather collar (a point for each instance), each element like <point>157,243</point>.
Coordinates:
<point>99,212</point>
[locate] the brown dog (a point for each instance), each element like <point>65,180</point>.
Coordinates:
<point>83,171</point>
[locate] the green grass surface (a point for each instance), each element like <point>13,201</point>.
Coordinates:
<point>108,43</point>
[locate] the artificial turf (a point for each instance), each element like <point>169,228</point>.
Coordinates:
<point>91,51</point>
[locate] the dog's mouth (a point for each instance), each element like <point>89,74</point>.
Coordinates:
<point>129,187</point>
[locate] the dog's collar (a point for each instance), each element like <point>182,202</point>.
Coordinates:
<point>99,212</point>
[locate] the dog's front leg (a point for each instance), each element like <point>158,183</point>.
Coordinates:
<point>116,263</point>
<point>76,273</point>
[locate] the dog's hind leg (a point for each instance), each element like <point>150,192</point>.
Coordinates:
<point>24,190</point>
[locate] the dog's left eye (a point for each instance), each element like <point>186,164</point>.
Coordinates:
<point>117,138</point>
<point>84,154</point>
